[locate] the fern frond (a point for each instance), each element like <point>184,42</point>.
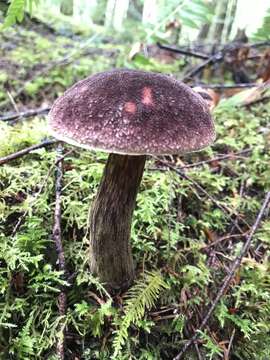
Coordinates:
<point>142,296</point>
<point>263,31</point>
<point>16,11</point>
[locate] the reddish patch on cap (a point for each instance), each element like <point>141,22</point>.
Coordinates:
<point>130,107</point>
<point>147,97</point>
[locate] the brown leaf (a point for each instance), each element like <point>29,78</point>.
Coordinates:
<point>264,66</point>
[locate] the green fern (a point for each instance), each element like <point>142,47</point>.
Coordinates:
<point>16,11</point>
<point>195,13</point>
<point>263,31</point>
<point>24,344</point>
<point>214,351</point>
<point>142,296</point>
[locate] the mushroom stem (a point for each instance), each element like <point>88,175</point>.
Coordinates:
<point>110,221</point>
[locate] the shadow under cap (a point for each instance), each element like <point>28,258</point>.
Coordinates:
<point>132,112</point>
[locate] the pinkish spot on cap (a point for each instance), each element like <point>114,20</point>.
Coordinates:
<point>130,107</point>
<point>147,97</point>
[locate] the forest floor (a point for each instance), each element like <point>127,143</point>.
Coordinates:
<point>193,215</point>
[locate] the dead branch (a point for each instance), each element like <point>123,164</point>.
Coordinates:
<point>215,58</point>
<point>183,52</point>
<point>221,239</point>
<point>25,114</point>
<point>56,235</point>
<point>218,158</point>
<point>210,61</point>
<point>235,266</point>
<point>26,151</point>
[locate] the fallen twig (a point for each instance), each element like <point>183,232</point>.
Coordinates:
<point>183,52</point>
<point>224,208</point>
<point>210,61</point>
<point>236,264</point>
<point>12,102</point>
<point>221,239</point>
<point>227,354</point>
<point>217,57</point>
<point>26,151</point>
<point>62,297</point>
<point>36,195</point>
<point>198,351</point>
<point>230,156</point>
<point>226,86</point>
<point>25,114</point>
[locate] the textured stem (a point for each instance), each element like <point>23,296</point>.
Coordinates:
<point>110,221</point>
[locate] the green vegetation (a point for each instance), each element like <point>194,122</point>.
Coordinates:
<point>178,269</point>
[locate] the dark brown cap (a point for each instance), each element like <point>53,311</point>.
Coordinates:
<point>132,112</point>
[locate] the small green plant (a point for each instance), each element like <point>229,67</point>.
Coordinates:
<point>16,11</point>
<point>141,297</point>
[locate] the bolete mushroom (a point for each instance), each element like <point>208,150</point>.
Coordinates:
<point>129,114</point>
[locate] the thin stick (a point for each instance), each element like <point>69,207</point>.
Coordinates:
<point>198,351</point>
<point>223,238</point>
<point>183,52</point>
<point>13,102</point>
<point>200,67</point>
<point>224,208</point>
<point>62,297</point>
<point>230,345</point>
<point>36,195</point>
<point>235,266</point>
<point>231,156</point>
<point>225,86</point>
<point>218,158</point>
<point>26,151</point>
<point>217,57</point>
<point>25,114</point>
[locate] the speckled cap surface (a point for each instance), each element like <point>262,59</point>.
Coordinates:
<point>132,112</point>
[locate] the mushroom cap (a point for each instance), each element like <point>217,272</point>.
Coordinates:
<point>132,112</point>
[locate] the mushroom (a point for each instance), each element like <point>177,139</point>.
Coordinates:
<point>129,114</point>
